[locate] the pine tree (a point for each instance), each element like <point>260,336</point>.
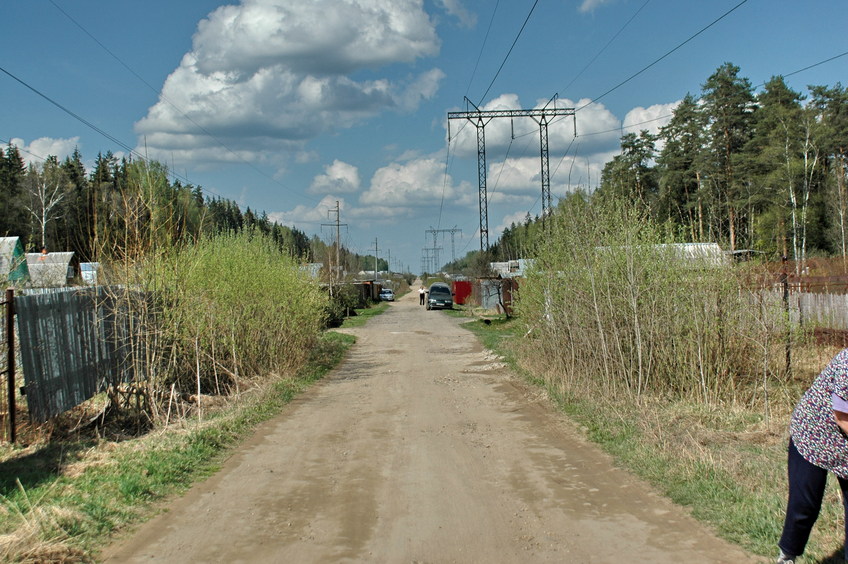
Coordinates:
<point>729,103</point>
<point>831,107</point>
<point>681,197</point>
<point>72,223</point>
<point>13,199</point>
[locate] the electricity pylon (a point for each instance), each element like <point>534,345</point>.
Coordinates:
<point>479,119</point>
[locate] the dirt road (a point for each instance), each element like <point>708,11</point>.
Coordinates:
<point>421,448</point>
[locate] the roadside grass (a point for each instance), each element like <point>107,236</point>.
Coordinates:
<point>726,464</point>
<point>62,502</point>
<point>363,315</point>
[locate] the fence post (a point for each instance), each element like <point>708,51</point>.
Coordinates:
<point>784,279</point>
<point>10,363</point>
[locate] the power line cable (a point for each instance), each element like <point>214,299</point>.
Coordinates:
<point>482,48</point>
<point>634,75</point>
<point>486,93</point>
<point>444,185</point>
<point>79,118</point>
<point>809,67</point>
<point>179,110</point>
<point>8,142</point>
<point>666,116</point>
<point>97,129</point>
<point>604,48</point>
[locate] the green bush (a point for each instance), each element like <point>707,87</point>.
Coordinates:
<point>230,306</point>
<point>614,309</point>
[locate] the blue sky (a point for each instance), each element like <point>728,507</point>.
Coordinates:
<point>288,106</point>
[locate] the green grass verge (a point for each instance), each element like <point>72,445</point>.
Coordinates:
<point>363,315</point>
<point>736,487</point>
<point>66,500</point>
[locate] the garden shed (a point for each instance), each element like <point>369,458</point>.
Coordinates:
<point>51,270</point>
<point>13,264</point>
<point>699,254</point>
<point>88,272</point>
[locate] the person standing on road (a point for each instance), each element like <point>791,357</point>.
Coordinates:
<point>818,444</point>
<point>422,292</point>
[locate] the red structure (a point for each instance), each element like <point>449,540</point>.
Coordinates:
<point>462,291</point>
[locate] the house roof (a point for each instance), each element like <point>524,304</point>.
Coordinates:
<point>13,264</point>
<point>7,245</point>
<point>50,269</point>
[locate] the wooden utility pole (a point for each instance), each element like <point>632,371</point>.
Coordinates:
<point>336,276</point>
<point>375,259</point>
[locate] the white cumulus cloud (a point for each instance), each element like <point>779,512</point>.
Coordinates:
<point>516,218</point>
<point>651,118</point>
<point>591,5</point>
<point>264,76</point>
<point>418,183</point>
<point>39,149</point>
<point>312,216</point>
<point>338,178</point>
<point>457,10</point>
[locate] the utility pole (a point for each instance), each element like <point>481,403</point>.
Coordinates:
<point>338,272</point>
<point>375,259</point>
<point>480,118</point>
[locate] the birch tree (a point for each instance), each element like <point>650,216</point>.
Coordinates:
<point>46,187</point>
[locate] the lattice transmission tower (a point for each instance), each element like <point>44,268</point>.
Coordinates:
<point>479,119</point>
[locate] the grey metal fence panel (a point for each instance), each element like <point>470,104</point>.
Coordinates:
<point>73,344</point>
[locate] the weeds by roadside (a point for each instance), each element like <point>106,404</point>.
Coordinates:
<point>724,462</point>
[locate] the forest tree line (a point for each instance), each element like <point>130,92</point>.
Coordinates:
<point>750,171</point>
<point>123,204</point>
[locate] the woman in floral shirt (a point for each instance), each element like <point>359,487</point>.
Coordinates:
<point>818,444</point>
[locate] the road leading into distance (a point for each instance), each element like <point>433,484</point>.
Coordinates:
<point>421,447</point>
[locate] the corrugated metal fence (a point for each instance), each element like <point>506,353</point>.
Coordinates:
<point>75,343</point>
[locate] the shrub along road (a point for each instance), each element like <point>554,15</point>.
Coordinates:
<point>421,447</point>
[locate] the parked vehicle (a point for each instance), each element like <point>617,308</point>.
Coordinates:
<point>387,295</point>
<point>440,296</point>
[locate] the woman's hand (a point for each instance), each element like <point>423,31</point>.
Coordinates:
<point>842,421</point>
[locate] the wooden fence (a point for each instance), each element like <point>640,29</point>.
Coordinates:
<point>821,310</point>
<point>8,364</point>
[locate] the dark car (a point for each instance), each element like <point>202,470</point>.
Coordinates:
<point>440,296</point>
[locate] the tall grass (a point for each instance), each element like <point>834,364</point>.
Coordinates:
<point>226,308</point>
<point>615,311</point>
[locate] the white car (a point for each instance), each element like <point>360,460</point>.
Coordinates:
<point>387,295</point>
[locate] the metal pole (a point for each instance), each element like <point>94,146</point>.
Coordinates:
<point>482,196</point>
<point>545,168</point>
<point>10,362</point>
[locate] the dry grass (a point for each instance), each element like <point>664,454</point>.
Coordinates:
<point>39,533</point>
<point>71,495</point>
<point>725,460</point>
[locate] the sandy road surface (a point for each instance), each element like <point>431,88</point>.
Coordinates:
<point>421,448</point>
